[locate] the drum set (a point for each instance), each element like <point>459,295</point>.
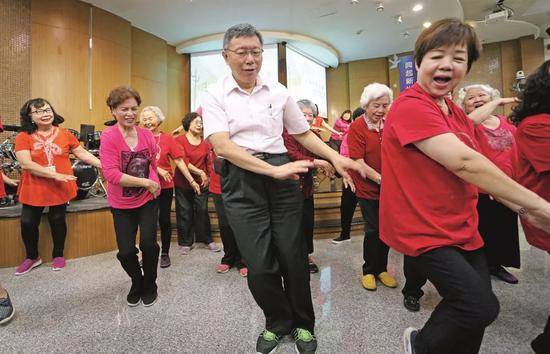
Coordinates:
<point>89,181</point>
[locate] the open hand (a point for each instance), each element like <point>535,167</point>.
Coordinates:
<point>165,175</point>
<point>64,178</point>
<point>291,170</point>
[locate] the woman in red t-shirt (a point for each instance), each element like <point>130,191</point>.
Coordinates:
<point>151,117</point>
<point>364,142</point>
<point>495,135</point>
<point>42,149</point>
<point>192,217</point>
<point>428,200</point>
<point>533,167</point>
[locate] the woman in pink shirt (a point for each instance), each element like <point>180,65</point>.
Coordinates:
<point>341,127</point>
<point>128,156</point>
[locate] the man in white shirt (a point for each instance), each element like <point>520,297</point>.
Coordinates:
<point>243,120</point>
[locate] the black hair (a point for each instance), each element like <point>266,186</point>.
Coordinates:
<point>357,112</point>
<point>27,125</point>
<point>189,117</point>
<point>535,97</point>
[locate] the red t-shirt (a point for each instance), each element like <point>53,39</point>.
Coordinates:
<point>422,204</point>
<point>215,179</point>
<point>198,155</point>
<point>47,151</point>
<point>2,188</point>
<point>499,144</point>
<point>533,168</point>
<point>364,143</point>
<point>169,150</point>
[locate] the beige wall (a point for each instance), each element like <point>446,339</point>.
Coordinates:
<point>65,71</point>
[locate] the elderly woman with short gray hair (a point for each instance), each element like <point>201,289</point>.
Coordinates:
<point>151,117</point>
<point>365,141</point>
<point>495,135</point>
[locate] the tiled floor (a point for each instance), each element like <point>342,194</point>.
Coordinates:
<point>83,309</point>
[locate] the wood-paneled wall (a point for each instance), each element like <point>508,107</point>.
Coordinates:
<point>88,233</point>
<point>65,70</point>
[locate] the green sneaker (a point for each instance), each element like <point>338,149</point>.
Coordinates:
<point>305,341</point>
<point>267,342</point>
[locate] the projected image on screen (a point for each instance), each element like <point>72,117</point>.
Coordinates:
<point>306,80</point>
<point>207,68</point>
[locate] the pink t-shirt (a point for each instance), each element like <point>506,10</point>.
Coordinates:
<point>254,121</point>
<point>117,159</point>
<point>342,126</point>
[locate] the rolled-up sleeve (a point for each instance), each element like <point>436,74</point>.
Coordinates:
<point>109,155</point>
<point>213,115</point>
<point>293,118</point>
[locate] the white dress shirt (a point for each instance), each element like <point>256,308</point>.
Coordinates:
<point>254,120</point>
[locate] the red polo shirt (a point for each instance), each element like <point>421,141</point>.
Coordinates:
<point>422,204</point>
<point>198,155</point>
<point>364,143</point>
<point>533,168</point>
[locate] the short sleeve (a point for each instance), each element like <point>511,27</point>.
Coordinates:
<point>534,144</point>
<point>72,140</point>
<point>414,119</point>
<point>23,141</point>
<point>356,142</point>
<point>293,118</point>
<point>214,116</point>
<point>175,149</point>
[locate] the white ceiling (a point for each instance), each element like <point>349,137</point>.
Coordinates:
<point>356,31</point>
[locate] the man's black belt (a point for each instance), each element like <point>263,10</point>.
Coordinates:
<point>266,156</point>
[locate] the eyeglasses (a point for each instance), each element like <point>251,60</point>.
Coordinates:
<point>308,115</point>
<point>256,52</point>
<point>41,112</point>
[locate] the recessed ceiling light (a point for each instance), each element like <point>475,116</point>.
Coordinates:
<point>406,34</point>
<point>427,24</point>
<point>399,19</point>
<point>418,7</point>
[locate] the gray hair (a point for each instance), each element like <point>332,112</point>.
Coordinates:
<point>494,93</point>
<point>308,104</point>
<point>241,30</point>
<point>373,92</point>
<point>155,110</point>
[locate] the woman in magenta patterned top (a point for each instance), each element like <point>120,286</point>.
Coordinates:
<point>128,156</point>
<point>341,127</point>
<point>498,225</point>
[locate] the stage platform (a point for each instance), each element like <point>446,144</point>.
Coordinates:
<point>90,228</point>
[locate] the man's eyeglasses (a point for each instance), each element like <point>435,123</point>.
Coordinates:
<point>256,52</point>
<point>41,112</point>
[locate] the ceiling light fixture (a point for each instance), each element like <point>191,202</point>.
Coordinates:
<point>418,7</point>
<point>427,24</point>
<point>406,34</point>
<point>380,7</point>
<point>354,2</point>
<point>399,19</point>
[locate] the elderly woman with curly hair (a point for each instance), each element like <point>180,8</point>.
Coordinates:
<point>495,135</point>
<point>151,117</point>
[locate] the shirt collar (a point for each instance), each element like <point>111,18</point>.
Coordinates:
<point>231,85</point>
<point>373,126</point>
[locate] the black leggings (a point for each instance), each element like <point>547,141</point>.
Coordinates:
<point>165,208</point>
<point>30,220</point>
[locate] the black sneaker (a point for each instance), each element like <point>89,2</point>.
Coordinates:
<point>165,261</point>
<point>339,239</point>
<point>313,268</point>
<point>409,340</point>
<point>134,296</point>
<point>6,309</point>
<point>305,341</point>
<point>411,303</point>
<point>267,342</point>
<point>149,300</point>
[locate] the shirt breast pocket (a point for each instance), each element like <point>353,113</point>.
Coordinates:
<point>272,121</point>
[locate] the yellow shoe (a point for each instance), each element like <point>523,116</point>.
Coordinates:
<point>387,280</point>
<point>369,282</point>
